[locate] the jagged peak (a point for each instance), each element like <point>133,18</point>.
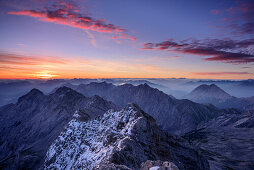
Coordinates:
<point>34,93</point>
<point>63,89</point>
<point>66,92</point>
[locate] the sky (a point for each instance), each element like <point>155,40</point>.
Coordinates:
<point>127,39</point>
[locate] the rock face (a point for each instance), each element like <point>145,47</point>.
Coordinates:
<point>118,140</point>
<point>158,165</point>
<point>227,141</point>
<point>28,127</point>
<point>218,97</point>
<point>174,116</point>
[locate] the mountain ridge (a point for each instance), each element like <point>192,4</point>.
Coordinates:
<point>28,127</point>
<point>125,139</point>
<point>173,115</point>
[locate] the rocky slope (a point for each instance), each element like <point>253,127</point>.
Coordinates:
<point>28,127</point>
<point>118,140</point>
<point>173,115</point>
<point>218,97</point>
<point>227,141</point>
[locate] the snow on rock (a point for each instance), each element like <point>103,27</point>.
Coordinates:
<point>154,168</point>
<point>158,165</point>
<point>86,144</point>
<point>117,140</point>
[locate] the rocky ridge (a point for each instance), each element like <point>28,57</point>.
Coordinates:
<point>28,127</point>
<point>118,140</point>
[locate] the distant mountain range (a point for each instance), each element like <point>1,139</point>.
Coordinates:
<point>218,97</point>
<point>171,86</point>
<point>173,115</point>
<point>118,140</point>
<point>28,127</point>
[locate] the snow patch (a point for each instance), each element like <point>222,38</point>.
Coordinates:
<point>84,145</point>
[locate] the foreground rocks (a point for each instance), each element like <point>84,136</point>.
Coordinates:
<point>119,140</point>
<point>158,165</point>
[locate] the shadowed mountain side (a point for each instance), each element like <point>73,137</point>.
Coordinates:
<point>28,127</point>
<point>227,141</point>
<point>119,140</point>
<point>172,115</point>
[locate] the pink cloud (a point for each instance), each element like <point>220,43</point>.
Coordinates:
<point>227,50</point>
<point>67,14</point>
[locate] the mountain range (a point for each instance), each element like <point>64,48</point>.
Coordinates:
<point>172,115</point>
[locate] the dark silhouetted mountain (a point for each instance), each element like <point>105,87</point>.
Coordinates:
<point>28,127</point>
<point>216,96</point>
<point>172,115</point>
<point>227,141</point>
<point>119,140</point>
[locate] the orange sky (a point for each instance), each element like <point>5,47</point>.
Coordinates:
<point>30,67</point>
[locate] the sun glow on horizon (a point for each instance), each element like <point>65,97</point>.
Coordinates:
<point>45,75</point>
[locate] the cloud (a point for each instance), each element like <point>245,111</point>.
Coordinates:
<point>239,18</point>
<point>220,73</point>
<point>14,59</point>
<point>225,50</point>
<point>91,37</point>
<point>68,14</point>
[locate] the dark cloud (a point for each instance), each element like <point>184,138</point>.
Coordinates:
<point>227,50</point>
<point>69,14</point>
<point>148,46</point>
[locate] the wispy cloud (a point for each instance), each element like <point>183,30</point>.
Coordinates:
<point>91,37</point>
<point>70,15</point>
<point>220,73</point>
<point>238,18</point>
<point>7,58</point>
<point>225,50</point>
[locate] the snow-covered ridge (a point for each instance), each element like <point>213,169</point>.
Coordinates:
<point>85,144</point>
<point>118,140</point>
